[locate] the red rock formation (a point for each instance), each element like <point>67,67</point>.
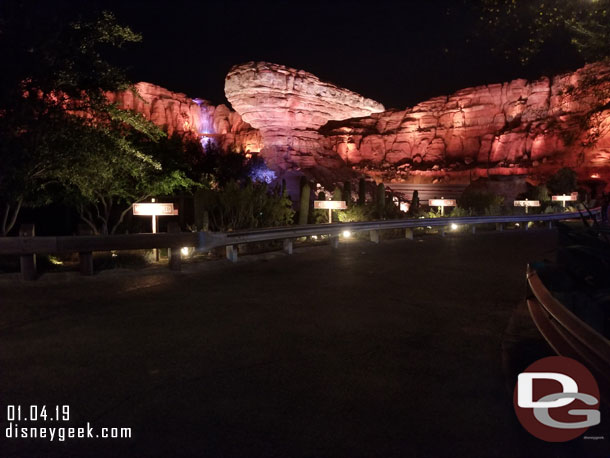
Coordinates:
<point>513,127</point>
<point>177,113</point>
<point>289,106</point>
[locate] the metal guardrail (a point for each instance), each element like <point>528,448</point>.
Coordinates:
<point>567,334</point>
<point>25,246</point>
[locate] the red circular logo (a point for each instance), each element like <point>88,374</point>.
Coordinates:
<point>556,399</point>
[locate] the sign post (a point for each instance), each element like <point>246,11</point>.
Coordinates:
<point>330,205</point>
<point>527,204</point>
<point>442,203</point>
<point>154,209</point>
<point>563,198</point>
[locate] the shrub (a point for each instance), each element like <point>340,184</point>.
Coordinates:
<point>252,205</point>
<point>479,202</point>
<point>540,193</point>
<point>563,182</point>
<point>357,213</point>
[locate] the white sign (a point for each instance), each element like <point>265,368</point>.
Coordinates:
<point>442,203</point>
<point>527,203</point>
<point>154,209</point>
<point>330,204</point>
<point>565,198</point>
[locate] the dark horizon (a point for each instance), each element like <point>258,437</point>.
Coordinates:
<point>398,54</point>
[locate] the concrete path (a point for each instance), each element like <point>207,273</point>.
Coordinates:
<point>392,350</point>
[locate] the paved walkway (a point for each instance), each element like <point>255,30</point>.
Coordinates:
<point>368,351</point>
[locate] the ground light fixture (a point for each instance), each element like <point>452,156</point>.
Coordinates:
<point>347,234</point>
<point>454,227</point>
<point>184,251</point>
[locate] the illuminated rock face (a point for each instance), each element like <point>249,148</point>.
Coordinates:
<point>288,106</point>
<point>511,127</point>
<point>177,113</point>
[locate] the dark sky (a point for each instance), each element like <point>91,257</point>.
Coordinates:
<point>398,53</point>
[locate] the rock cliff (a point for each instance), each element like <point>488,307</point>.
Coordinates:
<point>288,106</point>
<point>510,128</point>
<point>177,113</point>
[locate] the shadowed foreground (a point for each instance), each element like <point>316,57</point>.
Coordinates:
<point>388,350</point>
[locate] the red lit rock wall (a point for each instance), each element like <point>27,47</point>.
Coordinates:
<point>177,113</point>
<point>515,126</point>
<point>289,106</point>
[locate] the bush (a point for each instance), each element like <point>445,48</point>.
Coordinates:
<point>459,212</point>
<point>540,193</point>
<point>252,205</point>
<point>357,213</point>
<point>563,182</point>
<point>479,202</point>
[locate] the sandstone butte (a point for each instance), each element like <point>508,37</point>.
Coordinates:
<point>516,128</point>
<point>300,123</point>
<point>289,106</point>
<point>178,114</point>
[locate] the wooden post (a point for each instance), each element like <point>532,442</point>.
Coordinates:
<point>374,236</point>
<point>28,261</point>
<point>409,233</point>
<point>231,252</point>
<point>175,255</point>
<point>288,246</point>
<point>85,257</point>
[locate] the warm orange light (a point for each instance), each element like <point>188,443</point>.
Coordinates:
<point>595,175</point>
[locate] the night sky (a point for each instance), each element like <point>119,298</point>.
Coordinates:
<point>398,53</point>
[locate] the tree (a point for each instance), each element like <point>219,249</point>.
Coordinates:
<point>522,28</point>
<point>563,182</point>
<point>55,119</point>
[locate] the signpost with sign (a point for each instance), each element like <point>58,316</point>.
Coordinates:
<point>154,209</point>
<point>442,203</point>
<point>565,198</point>
<point>527,204</point>
<point>329,205</point>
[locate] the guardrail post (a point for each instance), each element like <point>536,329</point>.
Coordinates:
<point>550,224</point>
<point>175,255</point>
<point>473,228</point>
<point>334,241</point>
<point>288,246</point>
<point>499,227</point>
<point>231,253</point>
<point>409,233</point>
<point>527,224</point>
<point>443,230</point>
<point>28,261</point>
<point>85,257</point>
<point>374,236</point>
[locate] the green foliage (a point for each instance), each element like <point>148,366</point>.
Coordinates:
<point>415,206</point>
<point>357,213</point>
<point>562,182</point>
<point>459,212</point>
<point>248,206</point>
<point>380,198</point>
<point>361,191</point>
<point>541,193</point>
<point>347,192</point>
<point>304,203</point>
<point>480,202</point>
<point>521,28</point>
<point>61,136</point>
<point>337,193</point>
